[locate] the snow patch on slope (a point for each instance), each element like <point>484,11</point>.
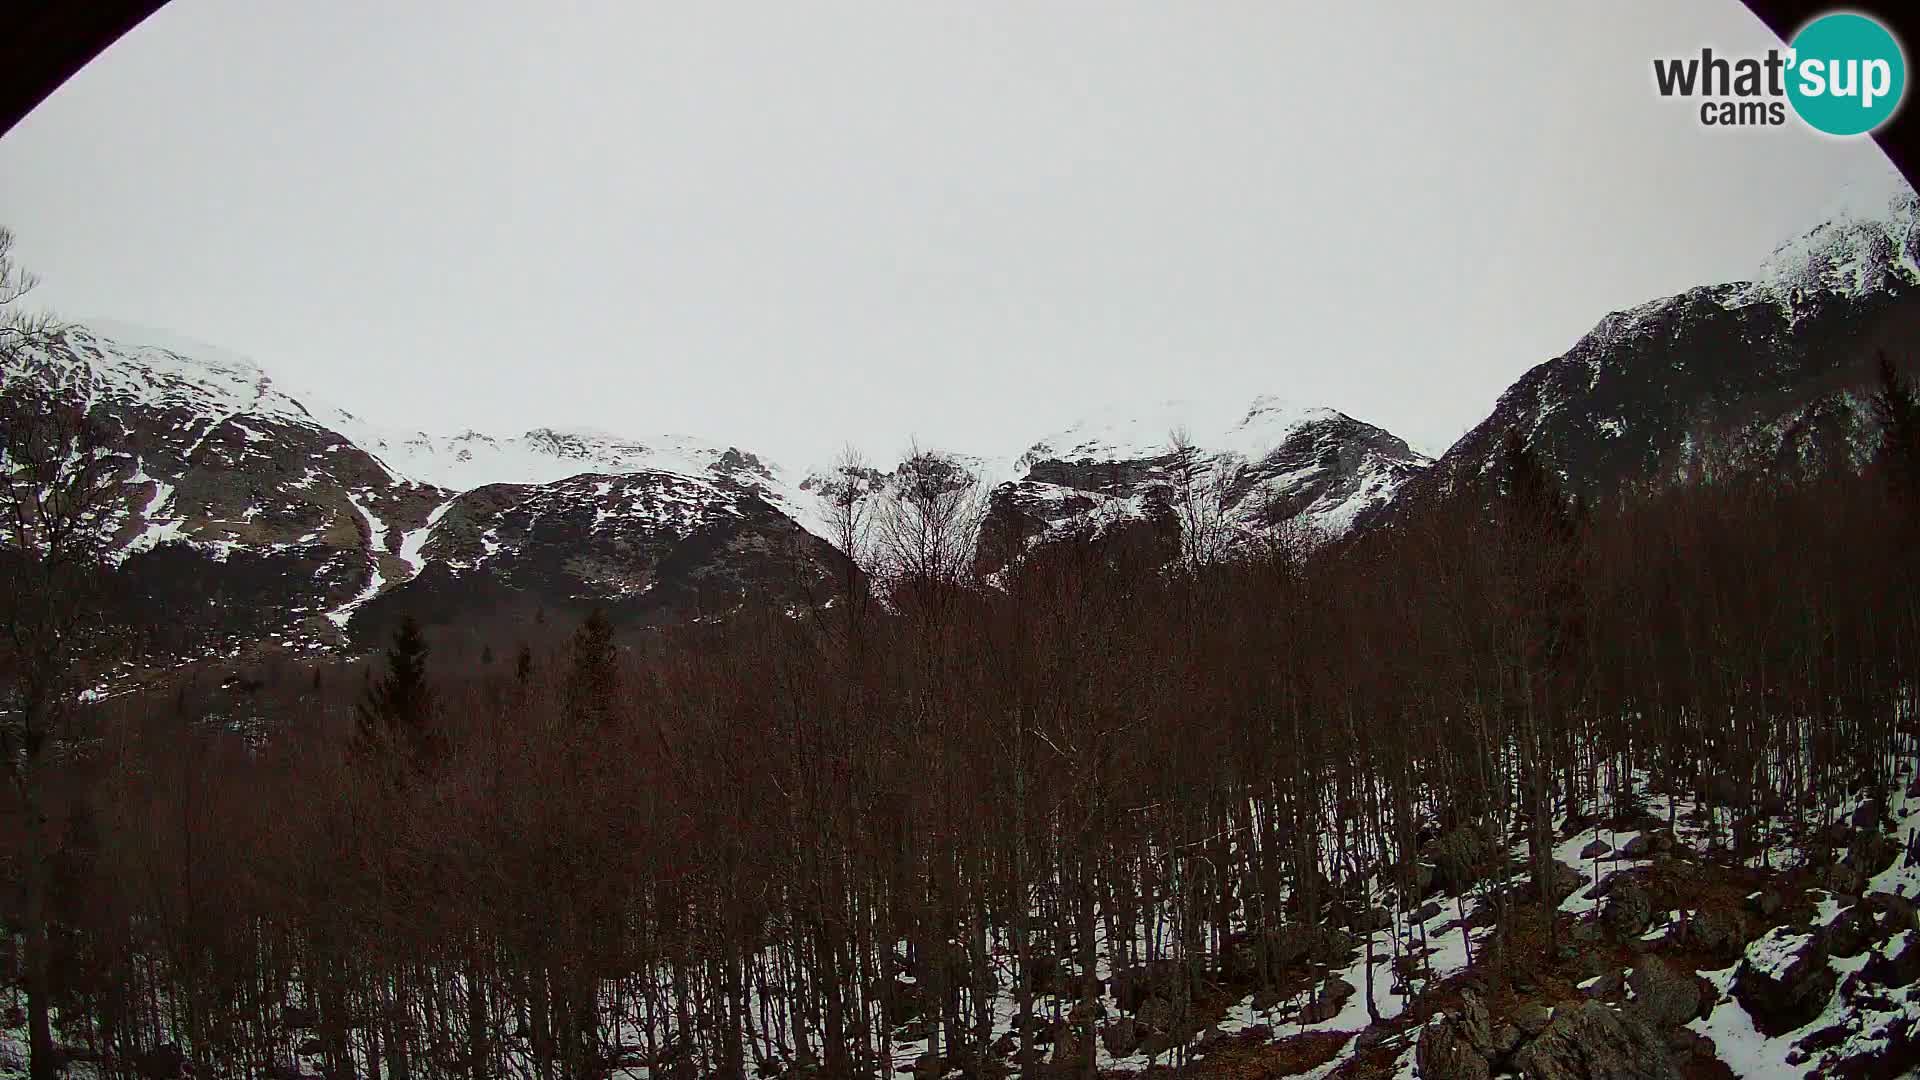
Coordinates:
<point>376,580</point>
<point>413,542</point>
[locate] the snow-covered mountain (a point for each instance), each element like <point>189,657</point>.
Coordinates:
<point>1770,373</point>
<point>261,513</point>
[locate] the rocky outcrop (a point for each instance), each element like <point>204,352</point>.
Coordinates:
<point>1785,981</point>
<point>1328,1002</point>
<point>1628,909</point>
<point>1670,997</point>
<point>644,547</point>
<point>1719,934</point>
<point>1593,1042</point>
<point>1445,1052</point>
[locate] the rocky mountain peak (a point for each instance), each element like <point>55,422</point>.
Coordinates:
<point>1866,241</point>
<point>1769,373</point>
<point>1256,467</point>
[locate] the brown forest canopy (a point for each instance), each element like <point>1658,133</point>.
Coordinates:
<point>787,835</point>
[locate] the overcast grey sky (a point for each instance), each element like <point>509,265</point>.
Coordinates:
<point>783,225</point>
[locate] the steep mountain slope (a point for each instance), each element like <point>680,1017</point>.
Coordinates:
<point>1767,373</point>
<point>247,518</point>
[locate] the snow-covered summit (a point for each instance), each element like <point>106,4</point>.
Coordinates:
<point>159,367</point>
<point>545,455</point>
<point>1864,240</point>
<point>1752,374</point>
<point>115,364</point>
<point>1115,434</point>
<point>1261,464</point>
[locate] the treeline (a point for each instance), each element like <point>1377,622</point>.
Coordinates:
<point>929,809</point>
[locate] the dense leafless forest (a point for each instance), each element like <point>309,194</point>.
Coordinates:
<point>1099,783</point>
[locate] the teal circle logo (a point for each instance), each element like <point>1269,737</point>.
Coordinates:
<point>1848,74</point>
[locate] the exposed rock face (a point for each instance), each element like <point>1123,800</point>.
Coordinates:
<point>1900,967</point>
<point>1722,934</point>
<point>247,518</point>
<point>1476,1024</point>
<point>644,546</point>
<point>255,516</point>
<point>1565,881</point>
<point>1532,1018</point>
<point>1590,1041</point>
<point>1327,1003</point>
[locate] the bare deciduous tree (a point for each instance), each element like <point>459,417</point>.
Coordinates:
<point>928,529</point>
<point>1202,492</point>
<point>850,490</point>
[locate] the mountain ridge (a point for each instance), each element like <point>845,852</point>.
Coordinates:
<point>336,522</point>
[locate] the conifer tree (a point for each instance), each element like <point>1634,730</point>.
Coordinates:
<point>1896,407</point>
<point>398,709</point>
<point>590,681</point>
<point>1533,502</point>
